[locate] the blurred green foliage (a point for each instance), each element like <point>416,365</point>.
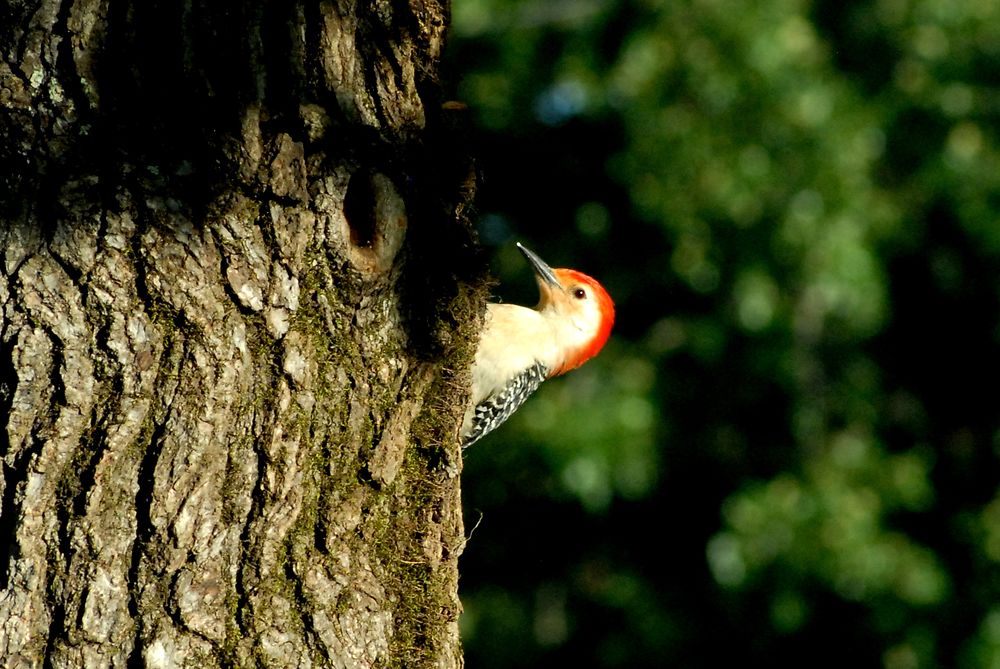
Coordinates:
<point>789,453</point>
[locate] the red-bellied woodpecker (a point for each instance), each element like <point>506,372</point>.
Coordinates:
<point>521,347</point>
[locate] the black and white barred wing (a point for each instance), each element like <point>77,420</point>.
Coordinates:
<point>497,408</point>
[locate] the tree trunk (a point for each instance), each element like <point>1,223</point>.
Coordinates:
<point>239,299</point>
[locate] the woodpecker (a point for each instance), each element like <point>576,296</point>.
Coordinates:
<point>521,347</point>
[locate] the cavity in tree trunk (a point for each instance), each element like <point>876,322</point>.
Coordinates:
<point>239,299</point>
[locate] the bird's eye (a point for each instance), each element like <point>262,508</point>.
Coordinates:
<point>579,293</point>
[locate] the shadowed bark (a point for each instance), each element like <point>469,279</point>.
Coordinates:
<point>239,293</point>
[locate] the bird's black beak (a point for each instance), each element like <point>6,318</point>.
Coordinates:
<point>542,269</point>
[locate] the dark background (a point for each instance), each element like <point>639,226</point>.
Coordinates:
<point>789,451</point>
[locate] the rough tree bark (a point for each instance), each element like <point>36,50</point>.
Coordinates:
<point>238,294</point>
